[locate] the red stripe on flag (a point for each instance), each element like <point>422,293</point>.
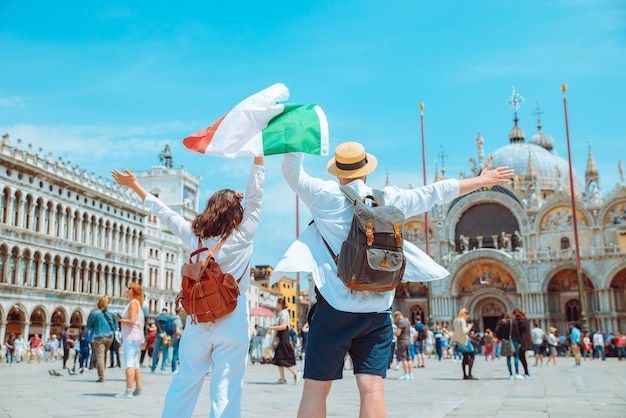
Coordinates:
<point>201,140</point>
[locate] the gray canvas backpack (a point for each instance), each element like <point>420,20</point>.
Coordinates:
<point>372,257</point>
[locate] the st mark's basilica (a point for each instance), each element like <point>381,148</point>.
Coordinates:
<point>514,247</point>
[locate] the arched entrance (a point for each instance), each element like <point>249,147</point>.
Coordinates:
<point>487,312</point>
<point>15,320</point>
<point>416,311</point>
<point>58,322</point>
<point>37,322</point>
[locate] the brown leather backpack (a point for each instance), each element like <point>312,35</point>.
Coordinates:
<point>207,293</point>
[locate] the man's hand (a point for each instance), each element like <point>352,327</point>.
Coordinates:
<point>496,176</point>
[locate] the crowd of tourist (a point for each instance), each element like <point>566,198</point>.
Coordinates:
<point>76,351</point>
<point>449,343</point>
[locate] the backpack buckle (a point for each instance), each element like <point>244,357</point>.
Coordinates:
<point>369,232</point>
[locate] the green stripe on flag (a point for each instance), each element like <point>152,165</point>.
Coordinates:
<point>296,129</point>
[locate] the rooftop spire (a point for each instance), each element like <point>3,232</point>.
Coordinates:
<point>531,173</point>
<point>514,102</point>
<point>481,151</point>
<point>592,170</point>
<point>443,163</point>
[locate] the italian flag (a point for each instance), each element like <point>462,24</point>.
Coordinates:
<point>259,125</point>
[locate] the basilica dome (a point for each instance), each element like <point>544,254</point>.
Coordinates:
<point>550,170</point>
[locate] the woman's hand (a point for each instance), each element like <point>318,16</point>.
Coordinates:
<point>128,179</point>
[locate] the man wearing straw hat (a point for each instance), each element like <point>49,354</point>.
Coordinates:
<point>341,321</point>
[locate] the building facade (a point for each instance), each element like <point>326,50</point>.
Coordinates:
<point>67,238</point>
<point>514,246</point>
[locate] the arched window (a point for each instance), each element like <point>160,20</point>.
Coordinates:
<point>572,310</point>
<point>414,312</point>
<point>564,243</point>
<point>105,280</point>
<point>67,223</point>
<point>76,274</point>
<point>4,201</point>
<point>46,271</point>
<point>58,220</point>
<point>4,253</point>
<point>34,270</point>
<point>85,277</point>
<point>83,229</point>
<point>15,209</point>
<point>23,269</point>
<point>75,226</point>
<point>65,276</point>
<point>37,215</point>
<point>127,240</point>
<point>486,220</point>
<point>98,239</point>
<point>47,216</point>
<point>93,227</point>
<point>106,236</point>
<point>15,253</point>
<point>54,273</point>
<point>27,218</point>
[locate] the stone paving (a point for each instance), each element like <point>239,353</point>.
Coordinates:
<point>597,389</point>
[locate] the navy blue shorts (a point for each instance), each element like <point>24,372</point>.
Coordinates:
<point>367,337</point>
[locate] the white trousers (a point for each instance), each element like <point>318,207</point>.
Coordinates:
<point>221,347</point>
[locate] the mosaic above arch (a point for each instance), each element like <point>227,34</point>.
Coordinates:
<point>484,274</point>
<point>414,231</point>
<point>616,215</point>
<point>560,218</point>
<point>567,281</point>
<point>412,290</point>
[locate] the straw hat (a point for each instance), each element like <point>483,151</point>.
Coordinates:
<point>351,161</point>
<point>552,329</point>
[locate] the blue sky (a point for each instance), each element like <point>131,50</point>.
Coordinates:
<point>106,84</point>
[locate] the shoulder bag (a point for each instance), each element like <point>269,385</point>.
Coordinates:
<point>508,348</point>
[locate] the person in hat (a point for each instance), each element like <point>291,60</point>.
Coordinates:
<point>553,343</point>
<point>358,323</point>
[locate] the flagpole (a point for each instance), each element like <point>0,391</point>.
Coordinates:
<point>298,305</point>
<point>429,300</point>
<point>579,271</point>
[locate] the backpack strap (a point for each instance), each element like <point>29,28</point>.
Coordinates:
<point>377,196</point>
<point>211,251</point>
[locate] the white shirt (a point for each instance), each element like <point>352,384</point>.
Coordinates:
<point>537,335</point>
<point>133,332</point>
<point>234,255</point>
<point>333,214</point>
<point>598,340</point>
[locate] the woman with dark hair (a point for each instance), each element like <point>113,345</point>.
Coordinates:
<point>525,342</point>
<point>284,353</point>
<point>507,329</point>
<point>221,346</point>
<point>133,321</point>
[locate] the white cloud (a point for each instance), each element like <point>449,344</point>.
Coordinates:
<point>13,101</point>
